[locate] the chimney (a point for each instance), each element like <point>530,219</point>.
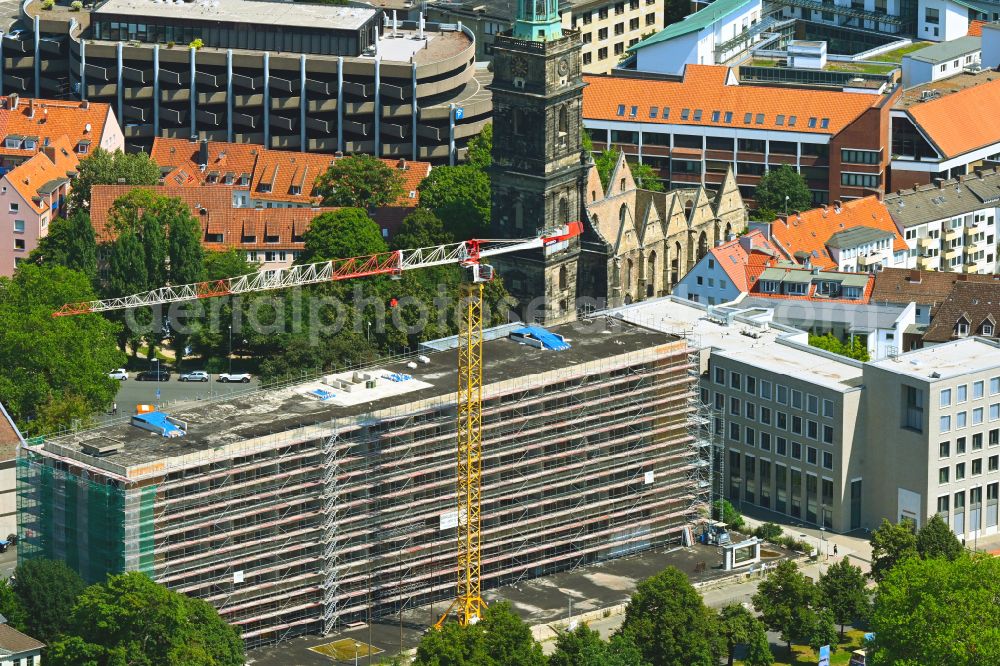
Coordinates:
<point>203,154</point>
<point>746,242</point>
<point>338,154</point>
<point>836,206</point>
<point>14,101</point>
<point>85,104</point>
<point>939,183</point>
<point>914,276</point>
<point>401,165</point>
<point>31,108</point>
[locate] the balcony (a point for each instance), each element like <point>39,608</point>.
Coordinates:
<point>928,263</point>
<point>975,267</point>
<point>952,253</point>
<point>952,234</point>
<point>928,243</point>
<point>973,229</point>
<point>866,260</point>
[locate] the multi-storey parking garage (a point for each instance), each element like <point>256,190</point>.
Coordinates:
<point>319,78</point>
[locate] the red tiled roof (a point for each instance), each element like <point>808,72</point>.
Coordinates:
<point>214,207</point>
<point>10,436</point>
<point>286,168</point>
<point>52,119</point>
<point>707,90</point>
<point>27,177</point>
<point>13,642</point>
<point>902,285</point>
<point>812,296</point>
<point>736,260</point>
<point>977,303</point>
<point>809,231</point>
<point>975,28</point>
<point>956,122</point>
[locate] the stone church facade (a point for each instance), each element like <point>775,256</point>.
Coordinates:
<point>638,244</point>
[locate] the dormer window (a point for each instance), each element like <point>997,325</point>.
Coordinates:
<point>768,286</point>
<point>29,144</point>
<point>988,329</point>
<point>962,327</point>
<point>796,288</point>
<point>83,147</point>
<point>12,142</point>
<point>852,293</point>
<point>295,189</point>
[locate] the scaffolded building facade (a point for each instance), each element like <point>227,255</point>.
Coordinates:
<point>294,516</point>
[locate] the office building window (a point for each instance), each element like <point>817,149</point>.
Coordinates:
<point>750,437</point>
<point>781,420</point>
<point>781,393</point>
<point>765,441</point>
<point>945,424</point>
<point>765,415</point>
<point>812,430</point>
<point>734,432</point>
<point>734,406</point>
<point>942,505</point>
<point>962,393</point>
<point>751,385</point>
<point>812,404</point>
<point>797,425</point>
<point>994,385</point>
<point>960,446</point>
<point>993,463</point>
<point>811,455</point>
<point>994,437</point>
<point>796,451</point>
<point>914,413</point>
<point>765,389</point>
<point>945,397</point>
<point>827,434</point>
<point>735,380</point>
<point>781,446</point>
<point>960,419</point>
<point>959,471</point>
<point>944,449</point>
<point>977,416</point>
<point>994,411</point>
<point>977,390</point>
<point>827,460</point>
<point>828,408</point>
<point>943,475</point>
<point>751,411</point>
<point>720,375</point>
<point>796,399</point>
<point>977,441</point>
<point>977,466</point>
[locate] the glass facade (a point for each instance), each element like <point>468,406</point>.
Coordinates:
<point>237,35</point>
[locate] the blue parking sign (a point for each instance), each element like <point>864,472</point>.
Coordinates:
<point>157,393</point>
<point>459,113</point>
<point>824,656</point>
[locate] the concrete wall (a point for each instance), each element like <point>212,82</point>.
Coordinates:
<point>587,19</point>
<point>918,72</point>
<point>953,21</point>
<point>991,45</point>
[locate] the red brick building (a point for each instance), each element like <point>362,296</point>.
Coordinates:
<point>694,127</point>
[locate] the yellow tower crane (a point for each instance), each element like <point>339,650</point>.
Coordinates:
<point>468,604</point>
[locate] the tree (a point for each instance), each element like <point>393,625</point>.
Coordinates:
<point>11,607</point>
<point>500,638</point>
<point>583,647</point>
<point>768,531</point>
<point>935,539</point>
<point>360,181</point>
<point>643,174</point>
<point>104,168</point>
<point>341,234</point>
<point>421,228</point>
<point>70,243</point>
<point>738,626</point>
<point>891,544</point>
<point>184,248</point>
<point>938,611</point>
<point>460,197</point>
<point>785,600</point>
<point>222,264</point>
<point>480,153</point>
<point>776,184</point>
<point>725,511</point>
<point>132,620</point>
<point>759,648</point>
<point>50,360</point>
<point>669,622</point>
<point>47,590</point>
<point>856,348</point>
<point>844,593</point>
<point>676,10</point>
<point>818,628</point>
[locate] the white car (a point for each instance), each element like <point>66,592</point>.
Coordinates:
<point>121,374</point>
<point>196,376</point>
<point>227,377</point>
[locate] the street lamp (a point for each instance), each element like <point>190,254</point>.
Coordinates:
<point>786,206</point>
<point>826,550</point>
<point>157,378</point>
<point>356,646</point>
<point>230,349</point>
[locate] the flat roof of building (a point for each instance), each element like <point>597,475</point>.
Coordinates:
<point>948,198</point>
<point>776,349</point>
<point>269,412</point>
<point>945,51</point>
<point>913,96</point>
<point>856,317</point>
<point>254,12</point>
<point>946,360</point>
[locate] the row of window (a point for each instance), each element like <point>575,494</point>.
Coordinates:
<point>944,448</point>
<point>749,118</point>
<point>961,419</point>
<point>783,493</point>
<point>763,440</point>
<point>780,394</point>
<point>603,12</point>
<point>976,466</point>
<point>961,393</point>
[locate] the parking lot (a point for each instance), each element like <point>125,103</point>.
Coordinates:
<point>164,394</point>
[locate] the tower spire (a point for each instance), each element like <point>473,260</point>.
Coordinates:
<point>537,20</point>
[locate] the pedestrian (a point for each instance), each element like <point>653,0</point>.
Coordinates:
<point>114,409</point>
<point>834,550</point>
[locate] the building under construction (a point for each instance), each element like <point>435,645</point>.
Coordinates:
<point>331,501</point>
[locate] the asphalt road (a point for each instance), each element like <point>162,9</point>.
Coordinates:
<point>132,393</point>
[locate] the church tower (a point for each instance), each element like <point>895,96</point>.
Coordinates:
<point>538,172</point>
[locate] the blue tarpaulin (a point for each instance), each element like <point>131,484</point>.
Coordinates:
<point>158,422</point>
<point>548,339</point>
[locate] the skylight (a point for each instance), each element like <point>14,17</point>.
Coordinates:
<point>652,111</point>
<point>633,111</point>
<point>791,121</point>
<point>697,114</point>
<point>825,123</point>
<point>685,113</point>
<point>666,112</point>
<point>747,118</point>
<point>779,119</point>
<point>812,122</point>
<point>729,116</point>
<point>715,116</point>
<point>760,118</point>
<point>621,110</point>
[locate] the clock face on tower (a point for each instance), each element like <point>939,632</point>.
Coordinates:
<point>563,67</point>
<point>519,66</point>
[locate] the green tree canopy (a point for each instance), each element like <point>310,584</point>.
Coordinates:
<point>341,234</point>
<point>584,647</point>
<point>48,361</point>
<point>221,264</point>
<point>421,228</point>
<point>891,544</point>
<point>844,593</point>
<point>11,607</point>
<point>104,168</point>
<point>643,174</point>
<point>360,181</point>
<point>132,620</point>
<point>725,511</point>
<point>935,539</point>
<point>759,648</point>
<point>481,148</point>
<point>501,638</point>
<point>856,348</point>
<point>460,197</point>
<point>787,602</point>
<point>70,243</point>
<point>670,623</point>
<point>776,184</point>
<point>938,611</point>
<point>47,590</point>
<point>738,626</point>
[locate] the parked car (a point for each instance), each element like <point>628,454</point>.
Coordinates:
<point>16,33</point>
<point>194,376</point>
<point>121,374</point>
<point>153,376</point>
<point>227,377</point>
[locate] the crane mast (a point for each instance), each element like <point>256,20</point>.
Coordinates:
<point>468,603</point>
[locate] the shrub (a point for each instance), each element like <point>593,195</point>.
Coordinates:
<point>727,513</point>
<point>768,532</point>
<point>170,45</point>
<point>48,4</point>
<point>76,5</point>
<point>196,44</point>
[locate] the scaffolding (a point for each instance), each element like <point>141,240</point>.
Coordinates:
<point>307,529</point>
<point>707,427</point>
